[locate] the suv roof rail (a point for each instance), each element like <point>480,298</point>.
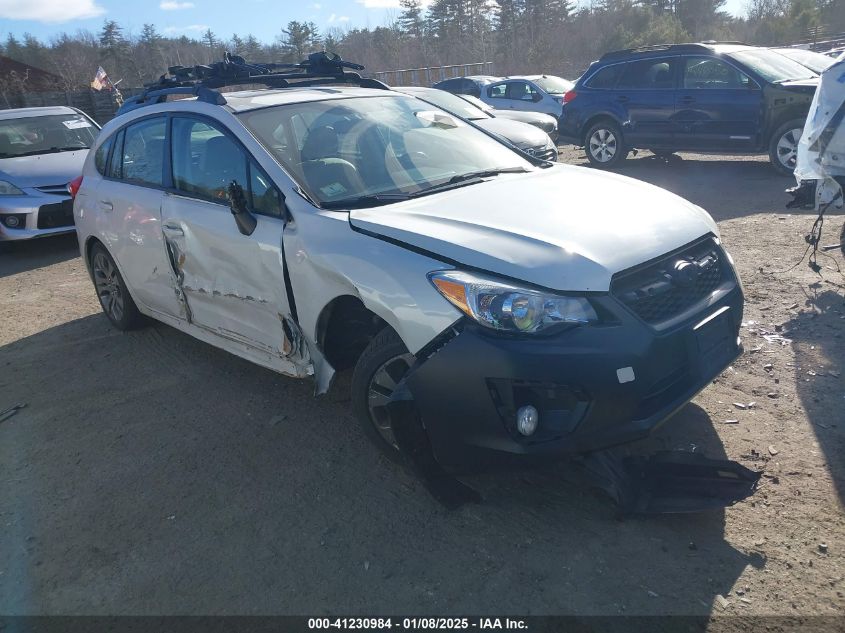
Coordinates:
<point>201,81</point>
<point>655,48</point>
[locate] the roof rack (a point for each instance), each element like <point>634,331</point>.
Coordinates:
<point>201,81</point>
<point>656,48</point>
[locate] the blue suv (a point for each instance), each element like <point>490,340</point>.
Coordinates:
<point>709,97</point>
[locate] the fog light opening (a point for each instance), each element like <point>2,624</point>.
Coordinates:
<point>12,222</point>
<point>527,419</point>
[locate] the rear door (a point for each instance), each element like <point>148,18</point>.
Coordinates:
<point>718,107</point>
<point>128,201</point>
<point>234,284</point>
<point>646,92</point>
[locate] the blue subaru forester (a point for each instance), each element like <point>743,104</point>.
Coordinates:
<point>709,97</point>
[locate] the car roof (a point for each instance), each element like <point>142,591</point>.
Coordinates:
<point>663,49</point>
<point>20,113</point>
<point>244,100</point>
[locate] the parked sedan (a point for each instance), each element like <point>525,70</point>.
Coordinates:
<point>469,85</point>
<point>545,122</point>
<point>534,93</point>
<point>524,136</point>
<point>41,151</point>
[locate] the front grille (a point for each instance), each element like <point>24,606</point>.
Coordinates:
<point>666,288</point>
<point>52,216</point>
<point>544,154</point>
<point>58,190</point>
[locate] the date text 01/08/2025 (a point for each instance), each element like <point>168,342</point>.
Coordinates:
<point>417,624</point>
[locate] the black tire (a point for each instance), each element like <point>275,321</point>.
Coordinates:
<point>386,352</point>
<point>604,145</point>
<point>842,241</point>
<point>112,292</point>
<point>783,146</point>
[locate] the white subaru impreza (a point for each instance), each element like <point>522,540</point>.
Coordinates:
<point>526,309</point>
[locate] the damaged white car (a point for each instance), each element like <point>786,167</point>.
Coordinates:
<point>520,309</point>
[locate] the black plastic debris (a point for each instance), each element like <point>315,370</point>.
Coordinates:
<point>669,481</point>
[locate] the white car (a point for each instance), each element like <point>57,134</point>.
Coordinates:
<point>523,309</point>
<point>41,151</point>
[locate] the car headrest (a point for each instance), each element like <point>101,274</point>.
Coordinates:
<point>321,142</point>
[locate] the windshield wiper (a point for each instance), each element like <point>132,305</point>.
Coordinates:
<point>370,200</point>
<point>459,180</point>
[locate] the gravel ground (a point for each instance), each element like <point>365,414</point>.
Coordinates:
<point>153,474</point>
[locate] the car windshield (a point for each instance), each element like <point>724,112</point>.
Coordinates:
<point>447,101</point>
<point>811,59</point>
<point>27,136</point>
<point>772,66</point>
<point>553,85</point>
<point>362,147</point>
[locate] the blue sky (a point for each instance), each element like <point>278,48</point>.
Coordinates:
<point>262,18</point>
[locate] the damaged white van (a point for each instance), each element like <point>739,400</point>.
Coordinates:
<point>526,309</point>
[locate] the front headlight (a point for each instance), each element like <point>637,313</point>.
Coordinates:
<point>8,189</point>
<point>499,305</point>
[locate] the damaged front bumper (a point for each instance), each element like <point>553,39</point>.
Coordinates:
<point>594,387</point>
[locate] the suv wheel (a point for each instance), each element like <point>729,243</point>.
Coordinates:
<point>783,148</point>
<point>377,373</point>
<point>604,146</point>
<point>112,292</point>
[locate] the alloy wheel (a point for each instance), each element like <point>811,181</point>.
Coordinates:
<point>382,385</point>
<point>107,283</point>
<point>787,150</point>
<point>603,145</point>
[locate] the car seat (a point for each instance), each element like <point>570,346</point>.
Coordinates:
<point>324,171</point>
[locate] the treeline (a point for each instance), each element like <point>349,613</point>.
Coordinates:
<point>519,36</point>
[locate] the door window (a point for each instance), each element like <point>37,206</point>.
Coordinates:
<point>114,170</point>
<point>102,155</point>
<point>143,152</point>
<point>205,161</point>
<point>708,73</point>
<point>497,91</point>
<point>648,74</point>
<point>522,91</point>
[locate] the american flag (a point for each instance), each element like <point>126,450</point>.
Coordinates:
<point>101,80</point>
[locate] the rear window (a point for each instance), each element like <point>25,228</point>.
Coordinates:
<point>606,78</point>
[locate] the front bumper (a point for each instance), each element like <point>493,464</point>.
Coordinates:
<point>38,214</point>
<point>594,387</point>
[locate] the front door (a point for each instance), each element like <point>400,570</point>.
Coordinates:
<point>645,92</point>
<point>233,284</point>
<point>718,107</point>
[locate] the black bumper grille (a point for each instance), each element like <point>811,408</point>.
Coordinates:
<point>668,287</point>
<point>53,216</point>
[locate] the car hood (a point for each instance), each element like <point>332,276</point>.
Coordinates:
<point>534,118</point>
<point>43,169</point>
<point>563,228</point>
<point>522,135</point>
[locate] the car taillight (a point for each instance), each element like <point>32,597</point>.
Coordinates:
<point>569,96</point>
<point>73,186</point>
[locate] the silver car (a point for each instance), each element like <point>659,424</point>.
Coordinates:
<point>524,136</point>
<point>545,122</point>
<point>534,93</point>
<point>41,151</point>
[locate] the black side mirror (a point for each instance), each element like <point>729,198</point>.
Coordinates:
<point>240,210</point>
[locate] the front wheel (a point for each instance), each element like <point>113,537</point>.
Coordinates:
<point>377,373</point>
<point>604,146</point>
<point>783,146</point>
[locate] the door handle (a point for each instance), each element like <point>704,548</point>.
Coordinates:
<point>687,100</point>
<point>105,205</point>
<point>172,230</point>
<point>622,99</point>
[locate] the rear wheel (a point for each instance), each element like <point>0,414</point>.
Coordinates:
<point>783,147</point>
<point>377,373</point>
<point>604,145</point>
<point>114,297</point>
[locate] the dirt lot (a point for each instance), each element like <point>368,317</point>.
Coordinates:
<point>150,473</point>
